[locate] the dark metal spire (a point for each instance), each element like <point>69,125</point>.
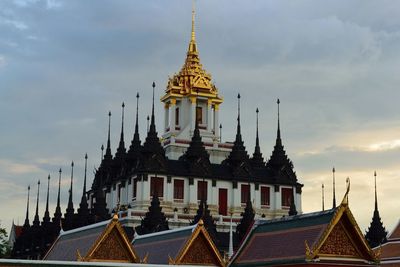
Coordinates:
<point>108,149</point>
<point>257,159</point>
<point>278,134</point>
<point>57,213</point>
<point>135,144</point>
<point>70,208</point>
<point>152,124</point>
<point>152,145</point>
<point>36,221</point>
<point>83,211</point>
<point>26,223</point>
<point>46,218</point>
<point>238,134</point>
<point>334,187</point>
<point>148,123</point>
<point>376,234</point>
<point>121,148</point>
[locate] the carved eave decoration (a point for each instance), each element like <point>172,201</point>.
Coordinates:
<point>199,249</point>
<point>111,246</point>
<point>342,239</point>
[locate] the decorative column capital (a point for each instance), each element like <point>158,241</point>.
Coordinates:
<point>216,106</point>
<point>172,101</point>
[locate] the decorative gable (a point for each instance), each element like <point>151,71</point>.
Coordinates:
<point>338,243</point>
<point>199,249</point>
<point>112,245</point>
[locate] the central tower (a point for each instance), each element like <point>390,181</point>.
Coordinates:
<point>191,97</point>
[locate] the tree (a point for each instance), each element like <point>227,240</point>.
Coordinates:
<point>4,246</point>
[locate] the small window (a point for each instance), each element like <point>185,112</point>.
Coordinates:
<point>201,190</point>
<point>245,191</point>
<point>199,115</point>
<point>178,189</point>
<point>157,186</point>
<point>264,196</point>
<point>287,195</point>
<point>177,116</point>
<point>134,189</point>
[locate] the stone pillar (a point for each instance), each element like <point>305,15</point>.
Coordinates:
<point>166,117</point>
<point>193,193</point>
<point>216,121</point>
<point>257,198</point>
<point>172,107</point>
<point>192,113</point>
<point>277,197</point>
<point>209,115</point>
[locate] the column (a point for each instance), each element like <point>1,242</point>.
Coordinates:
<point>277,197</point>
<point>209,116</point>
<point>216,120</point>
<point>192,113</point>
<point>172,114</point>
<point>166,117</point>
<point>257,197</point>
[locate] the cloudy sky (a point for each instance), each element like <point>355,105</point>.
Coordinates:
<point>333,64</point>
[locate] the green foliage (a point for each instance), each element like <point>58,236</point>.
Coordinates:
<point>4,246</point>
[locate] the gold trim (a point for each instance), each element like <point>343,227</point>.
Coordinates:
<point>200,229</point>
<point>114,224</point>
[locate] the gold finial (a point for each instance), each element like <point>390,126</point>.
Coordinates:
<point>193,17</point>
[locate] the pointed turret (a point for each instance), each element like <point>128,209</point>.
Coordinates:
<point>108,155</point>
<point>154,220</point>
<point>238,154</point>
<point>57,213</point>
<point>46,218</point>
<point>247,219</point>
<point>376,234</point>
<point>257,160</point>
<point>279,161</point>
<point>83,210</point>
<point>121,150</point>
<point>69,215</point>
<point>26,223</point>
<point>135,148</point>
<point>36,221</point>
<point>154,154</point>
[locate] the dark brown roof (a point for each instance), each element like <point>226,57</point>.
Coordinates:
<point>162,245</point>
<point>396,232</point>
<point>68,243</point>
<point>390,250</point>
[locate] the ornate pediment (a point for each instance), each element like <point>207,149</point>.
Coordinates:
<point>339,243</point>
<point>112,245</point>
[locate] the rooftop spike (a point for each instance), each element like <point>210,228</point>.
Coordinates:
<point>57,213</point>
<point>26,223</point>
<point>121,148</point>
<point>193,39</point>
<point>102,151</point>
<point>334,187</point>
<point>69,215</point>
<point>108,149</point>
<point>152,124</point>
<point>36,221</point>
<point>257,159</point>
<point>70,203</point>
<point>46,218</point>
<point>278,135</point>
<point>83,211</point>
<point>376,234</point>
<point>135,144</point>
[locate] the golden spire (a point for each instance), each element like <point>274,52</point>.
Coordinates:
<point>192,76</point>
<point>193,17</point>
